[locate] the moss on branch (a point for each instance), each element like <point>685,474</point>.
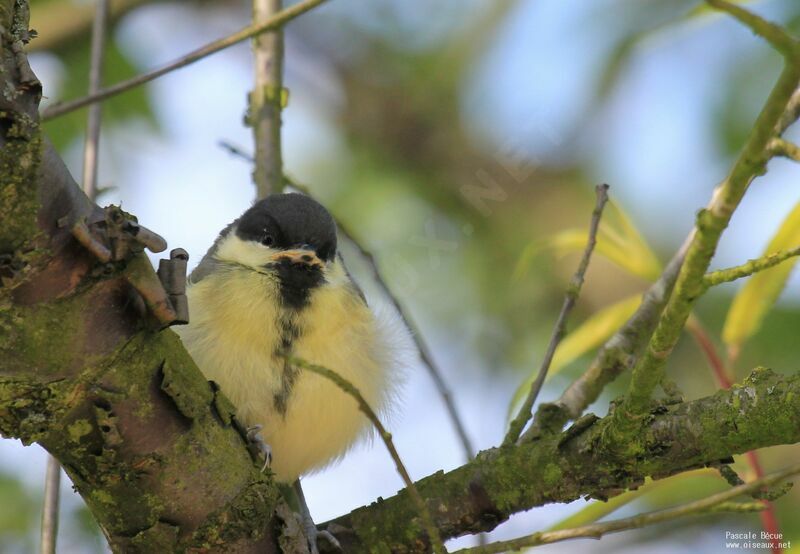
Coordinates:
<point>581,462</point>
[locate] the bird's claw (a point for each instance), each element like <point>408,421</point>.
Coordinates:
<point>313,535</point>
<point>254,438</point>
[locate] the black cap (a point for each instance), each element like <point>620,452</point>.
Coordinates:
<point>290,220</point>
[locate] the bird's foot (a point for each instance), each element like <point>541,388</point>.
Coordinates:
<point>314,535</point>
<point>257,442</point>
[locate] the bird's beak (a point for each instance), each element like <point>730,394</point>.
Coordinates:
<point>298,256</point>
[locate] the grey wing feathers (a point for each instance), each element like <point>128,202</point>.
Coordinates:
<point>208,264</point>
<point>353,283</point>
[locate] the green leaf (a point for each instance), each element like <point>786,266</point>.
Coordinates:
<point>589,335</point>
<point>617,239</point>
<point>761,291</point>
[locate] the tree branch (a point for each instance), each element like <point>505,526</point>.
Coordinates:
<point>266,101</point>
<point>720,502</point>
<point>785,149</point>
<point>711,222</point>
<point>50,506</point>
<point>270,24</point>
<point>774,34</point>
<point>750,267</point>
<point>616,356</point>
<point>583,461</point>
<point>623,350</point>
<point>92,144</point>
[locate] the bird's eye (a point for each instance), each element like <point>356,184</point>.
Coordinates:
<point>268,240</point>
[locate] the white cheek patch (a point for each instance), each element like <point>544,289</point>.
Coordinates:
<point>244,252</point>
<point>335,274</point>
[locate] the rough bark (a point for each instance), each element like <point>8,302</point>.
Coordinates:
<point>153,448</point>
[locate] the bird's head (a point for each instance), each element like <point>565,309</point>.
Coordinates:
<point>289,236</point>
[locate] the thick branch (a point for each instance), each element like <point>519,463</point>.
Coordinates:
<point>583,461</point>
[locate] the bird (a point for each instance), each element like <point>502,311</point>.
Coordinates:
<point>273,286</point>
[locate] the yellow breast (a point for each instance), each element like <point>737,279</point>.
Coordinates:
<point>235,336</point>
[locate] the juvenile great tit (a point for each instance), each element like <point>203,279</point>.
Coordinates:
<point>273,284</point>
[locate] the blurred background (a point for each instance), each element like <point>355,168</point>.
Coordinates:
<point>460,141</point>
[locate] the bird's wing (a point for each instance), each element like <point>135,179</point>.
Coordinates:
<point>209,264</point>
<point>356,289</point>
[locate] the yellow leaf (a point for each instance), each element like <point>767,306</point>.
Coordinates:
<point>587,336</point>
<point>760,292</point>
<point>617,239</point>
<point>598,509</point>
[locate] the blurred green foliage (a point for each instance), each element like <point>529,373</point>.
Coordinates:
<point>18,511</point>
<point>135,104</point>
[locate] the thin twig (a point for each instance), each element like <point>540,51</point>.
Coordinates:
<point>720,502</point>
<point>52,486</point>
<point>266,101</point>
<point>92,143</point>
<point>618,354</point>
<point>774,34</point>
<point>235,150</point>
<point>574,290</point>
<point>419,341</point>
<point>386,437</point>
<point>785,149</point>
<point>748,268</point>
<point>790,115</point>
<point>250,31</point>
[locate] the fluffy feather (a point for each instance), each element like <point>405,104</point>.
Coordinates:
<point>237,327</point>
